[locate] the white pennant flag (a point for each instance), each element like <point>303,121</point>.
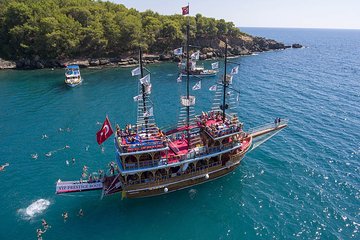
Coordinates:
<point>215,65</point>
<point>145,80</point>
<point>148,88</point>
<point>136,71</point>
<point>229,78</point>
<point>178,51</point>
<point>149,113</point>
<point>137,98</point>
<point>235,70</point>
<point>197,86</point>
<point>195,55</point>
<point>179,79</point>
<point>213,88</point>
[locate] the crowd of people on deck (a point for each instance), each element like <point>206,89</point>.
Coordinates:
<point>99,175</point>
<point>219,126</point>
<point>130,135</point>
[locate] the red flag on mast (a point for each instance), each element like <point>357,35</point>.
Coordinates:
<point>185,10</point>
<point>105,132</point>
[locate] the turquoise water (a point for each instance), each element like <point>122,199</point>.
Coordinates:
<point>302,184</point>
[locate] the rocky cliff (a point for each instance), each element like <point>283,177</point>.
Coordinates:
<point>209,48</point>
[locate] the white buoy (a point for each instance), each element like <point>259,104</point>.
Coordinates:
<point>166,190</point>
<point>207,176</point>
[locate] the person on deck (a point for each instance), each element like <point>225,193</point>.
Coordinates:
<point>118,131</point>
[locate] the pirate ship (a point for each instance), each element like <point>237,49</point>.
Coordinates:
<point>200,148</point>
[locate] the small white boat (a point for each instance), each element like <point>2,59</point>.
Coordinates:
<point>197,71</point>
<point>72,75</point>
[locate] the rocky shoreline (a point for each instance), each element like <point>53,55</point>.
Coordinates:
<point>213,49</point>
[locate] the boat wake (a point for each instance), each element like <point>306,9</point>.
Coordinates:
<point>34,209</point>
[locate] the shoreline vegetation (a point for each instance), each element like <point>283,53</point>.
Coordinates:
<point>38,34</point>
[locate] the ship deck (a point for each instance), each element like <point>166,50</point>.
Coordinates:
<point>177,148</point>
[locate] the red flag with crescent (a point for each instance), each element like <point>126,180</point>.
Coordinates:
<point>105,132</point>
<point>185,10</point>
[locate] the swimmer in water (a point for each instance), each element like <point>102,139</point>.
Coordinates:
<point>44,224</point>
<point>2,167</point>
<point>34,156</point>
<point>67,162</point>
<point>73,160</point>
<point>81,213</point>
<point>39,232</point>
<point>65,216</point>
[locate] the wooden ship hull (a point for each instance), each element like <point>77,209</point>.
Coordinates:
<point>182,182</point>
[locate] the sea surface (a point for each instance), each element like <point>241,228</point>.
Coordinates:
<point>302,184</point>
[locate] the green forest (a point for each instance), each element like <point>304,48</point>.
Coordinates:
<point>86,28</point>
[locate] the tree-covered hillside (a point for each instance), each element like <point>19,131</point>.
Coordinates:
<point>56,29</point>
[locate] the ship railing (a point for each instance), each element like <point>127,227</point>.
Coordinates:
<point>143,146</point>
<point>188,172</point>
<point>223,132</point>
<point>145,164</point>
<point>268,126</point>
<point>199,152</point>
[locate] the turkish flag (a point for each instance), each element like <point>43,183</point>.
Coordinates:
<point>185,10</point>
<point>105,132</point>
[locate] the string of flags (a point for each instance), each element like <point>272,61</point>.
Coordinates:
<point>136,71</point>
<point>179,79</point>
<point>149,112</point>
<point>215,65</point>
<point>145,80</point>
<point>195,55</point>
<point>235,70</point>
<point>197,86</point>
<point>229,78</point>
<point>137,98</point>
<point>213,88</point>
<point>178,51</point>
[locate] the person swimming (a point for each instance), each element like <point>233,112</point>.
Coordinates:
<point>39,233</point>
<point>44,224</point>
<point>81,213</point>
<point>2,167</point>
<point>65,216</point>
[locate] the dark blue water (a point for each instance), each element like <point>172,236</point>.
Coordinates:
<point>302,184</point>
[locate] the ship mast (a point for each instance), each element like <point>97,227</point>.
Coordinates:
<point>225,82</point>
<point>187,81</point>
<point>143,92</point>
